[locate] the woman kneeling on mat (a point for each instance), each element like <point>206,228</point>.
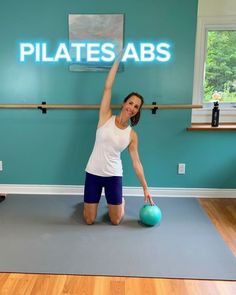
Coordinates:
<point>104,168</point>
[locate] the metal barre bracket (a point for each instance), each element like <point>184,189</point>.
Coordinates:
<point>154,110</point>
<point>44,110</point>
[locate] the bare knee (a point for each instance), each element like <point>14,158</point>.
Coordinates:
<point>90,213</point>
<point>89,220</point>
<point>116,220</point>
<point>116,213</point>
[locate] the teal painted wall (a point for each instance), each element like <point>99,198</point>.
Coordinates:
<point>54,148</point>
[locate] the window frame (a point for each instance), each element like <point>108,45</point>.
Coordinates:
<point>205,24</point>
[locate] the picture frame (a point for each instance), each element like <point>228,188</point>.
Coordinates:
<point>95,28</point>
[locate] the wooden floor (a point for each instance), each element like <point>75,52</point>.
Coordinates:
<point>221,211</point>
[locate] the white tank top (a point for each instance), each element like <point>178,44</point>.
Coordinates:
<point>110,142</point>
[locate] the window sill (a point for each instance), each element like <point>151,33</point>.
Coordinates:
<point>208,127</point>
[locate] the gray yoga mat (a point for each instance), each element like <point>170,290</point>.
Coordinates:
<point>46,234</point>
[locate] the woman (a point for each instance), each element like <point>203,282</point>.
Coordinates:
<point>104,168</point>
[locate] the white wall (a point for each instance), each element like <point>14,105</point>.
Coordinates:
<point>216,7</point>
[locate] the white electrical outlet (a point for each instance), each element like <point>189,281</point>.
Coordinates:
<point>1,167</point>
<point>181,168</point>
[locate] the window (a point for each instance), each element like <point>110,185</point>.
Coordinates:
<point>215,68</point>
<point>220,68</point>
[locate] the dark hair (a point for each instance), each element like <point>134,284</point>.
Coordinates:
<point>135,119</point>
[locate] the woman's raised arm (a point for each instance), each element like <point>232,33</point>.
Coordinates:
<point>105,106</point>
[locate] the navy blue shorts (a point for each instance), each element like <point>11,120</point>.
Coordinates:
<point>112,188</point>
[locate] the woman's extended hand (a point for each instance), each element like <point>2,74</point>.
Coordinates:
<point>147,196</point>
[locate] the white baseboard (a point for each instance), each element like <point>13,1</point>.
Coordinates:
<point>127,191</point>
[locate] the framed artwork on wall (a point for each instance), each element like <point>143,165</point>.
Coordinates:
<point>95,28</point>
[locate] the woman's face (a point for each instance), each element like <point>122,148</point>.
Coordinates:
<point>132,106</point>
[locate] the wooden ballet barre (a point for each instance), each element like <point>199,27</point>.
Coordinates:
<point>172,106</point>
<point>95,106</point>
<point>48,106</point>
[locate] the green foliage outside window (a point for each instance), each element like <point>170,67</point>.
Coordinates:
<point>220,71</point>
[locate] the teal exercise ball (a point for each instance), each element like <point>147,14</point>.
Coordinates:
<point>150,215</point>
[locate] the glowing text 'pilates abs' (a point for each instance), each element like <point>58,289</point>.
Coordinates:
<point>94,52</point>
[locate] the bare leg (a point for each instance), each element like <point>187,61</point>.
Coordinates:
<point>116,212</point>
<point>90,212</point>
